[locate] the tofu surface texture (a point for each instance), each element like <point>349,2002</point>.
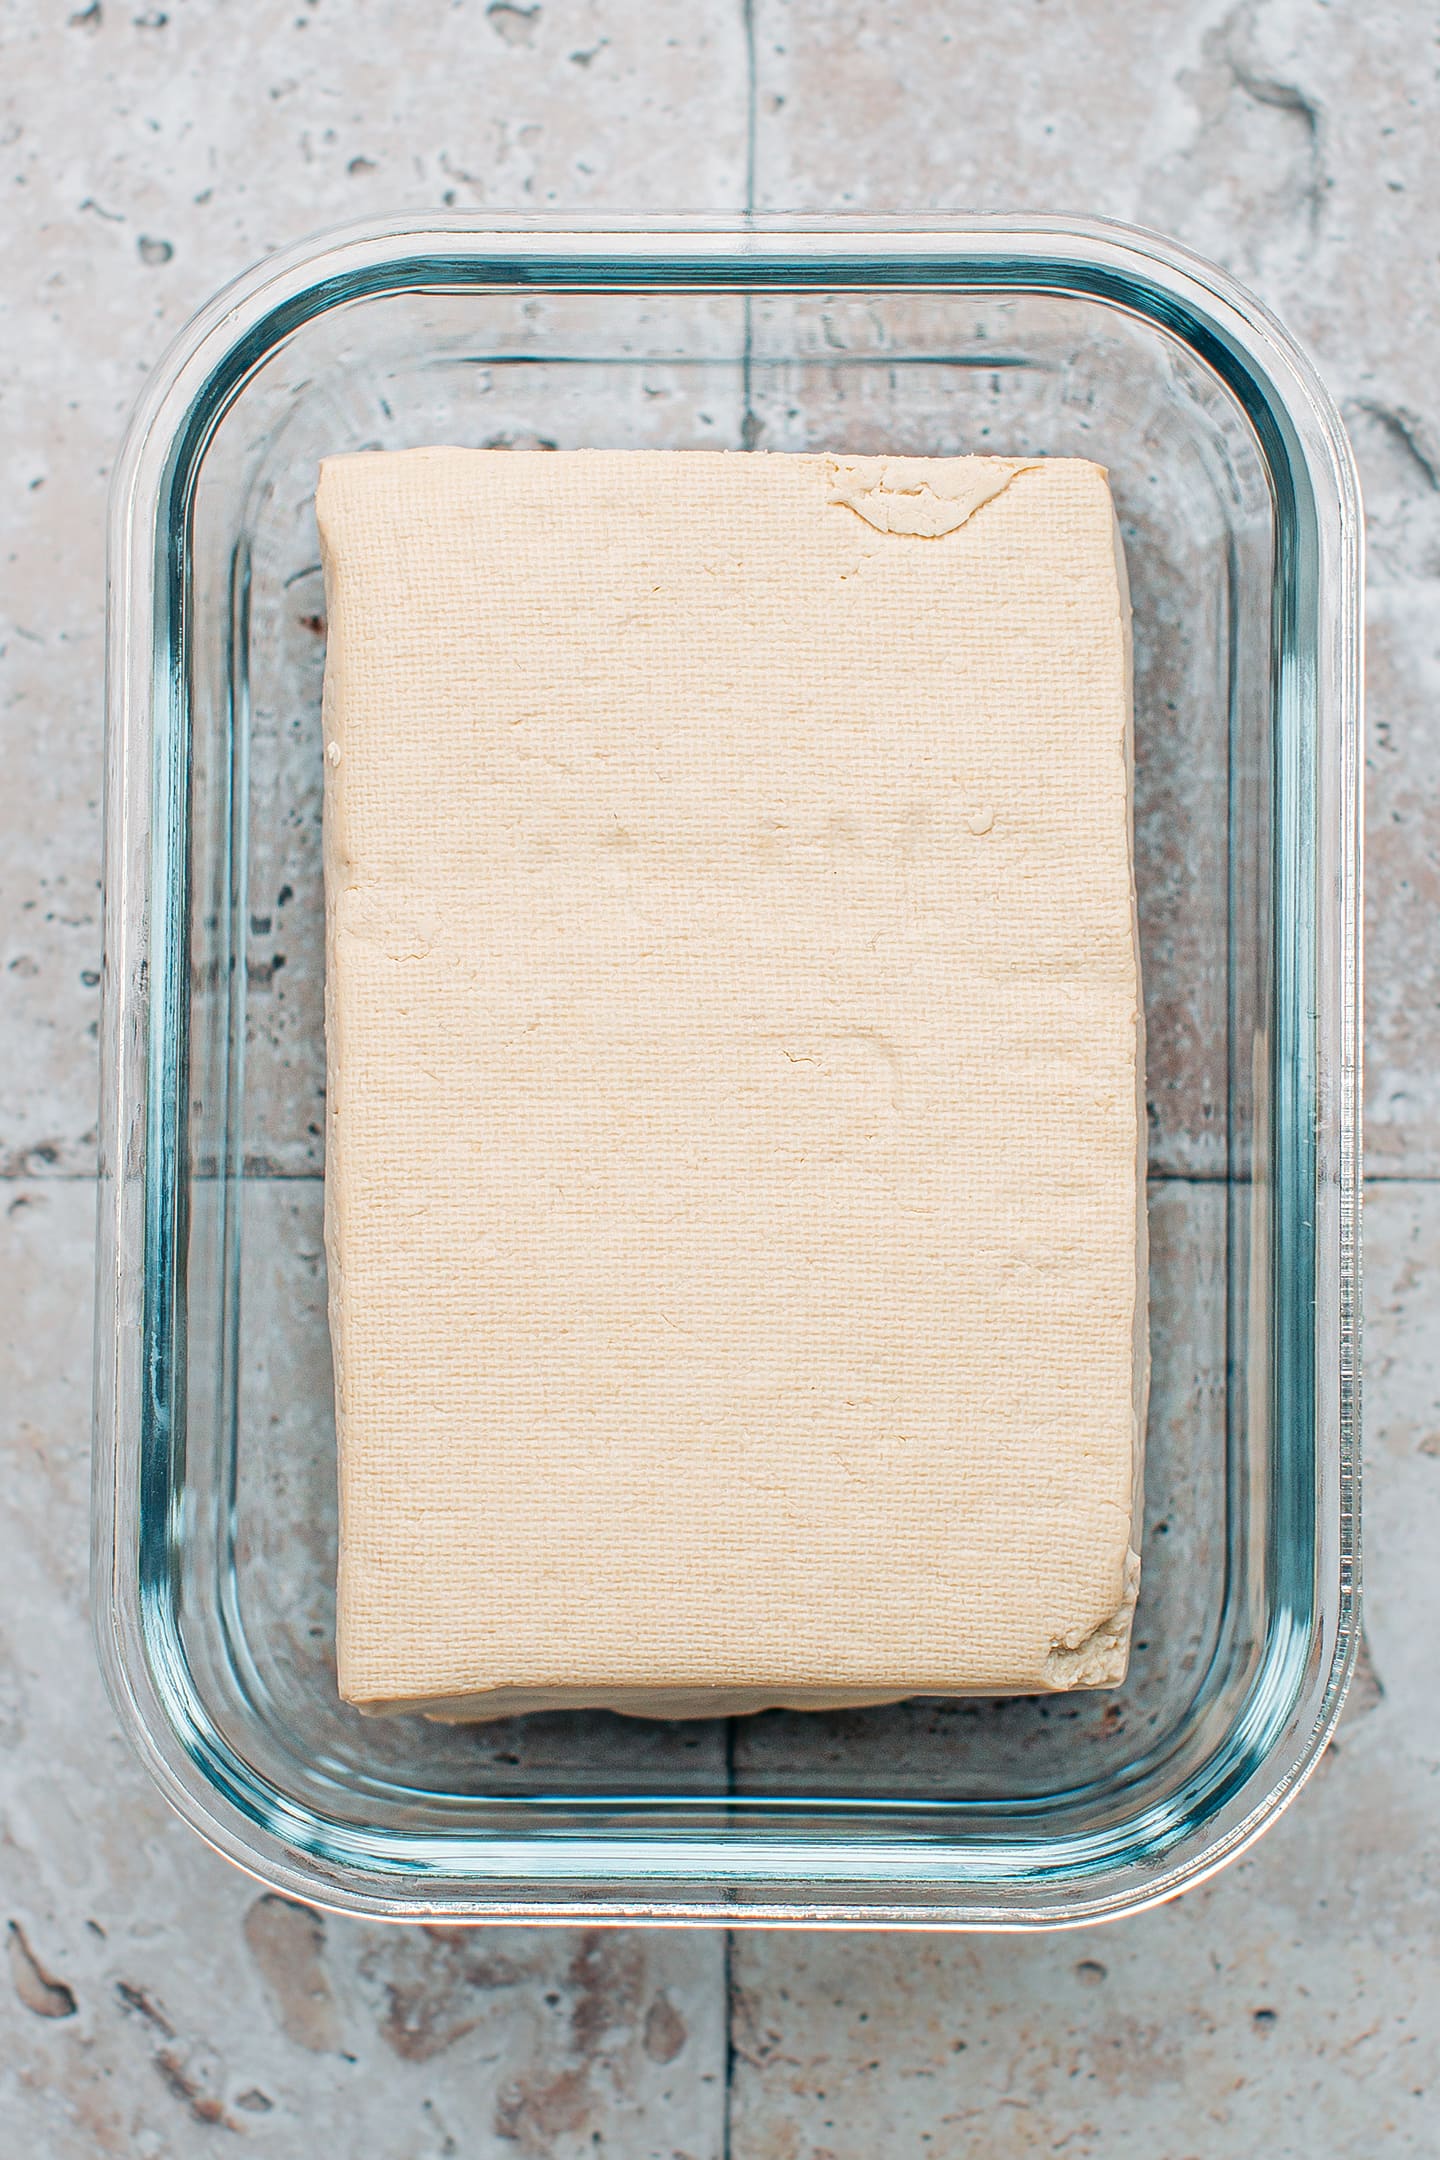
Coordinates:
<point>735,1204</point>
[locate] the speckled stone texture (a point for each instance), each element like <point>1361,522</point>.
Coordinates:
<point>154,1995</point>
<point>158,2003</point>
<point>1293,141</point>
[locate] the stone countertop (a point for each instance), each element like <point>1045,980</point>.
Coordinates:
<point>159,2002</point>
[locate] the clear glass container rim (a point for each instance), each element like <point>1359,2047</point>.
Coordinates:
<point>206,366</point>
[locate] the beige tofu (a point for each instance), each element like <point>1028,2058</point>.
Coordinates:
<point>735,1149</point>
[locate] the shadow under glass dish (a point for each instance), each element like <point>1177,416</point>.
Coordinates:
<point>986,1812</point>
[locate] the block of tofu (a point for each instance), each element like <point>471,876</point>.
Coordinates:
<point>734,1193</point>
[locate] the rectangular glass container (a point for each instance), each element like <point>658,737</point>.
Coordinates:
<point>214,1520</point>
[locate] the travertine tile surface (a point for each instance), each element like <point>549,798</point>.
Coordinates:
<point>154,1992</point>
<point>149,154</point>
<point>154,1995</point>
<point>1285,2008</point>
<point>155,1998</point>
<point>154,2001</point>
<point>1297,143</point>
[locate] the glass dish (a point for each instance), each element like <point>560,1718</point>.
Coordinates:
<point>214,1520</point>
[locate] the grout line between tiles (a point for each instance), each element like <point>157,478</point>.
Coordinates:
<point>749,424</point>
<point>728,1977</point>
<point>254,1174</point>
<point>747,21</point>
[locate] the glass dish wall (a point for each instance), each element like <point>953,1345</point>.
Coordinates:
<point>215,1503</point>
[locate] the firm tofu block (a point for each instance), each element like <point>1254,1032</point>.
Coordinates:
<point>735,1197</point>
